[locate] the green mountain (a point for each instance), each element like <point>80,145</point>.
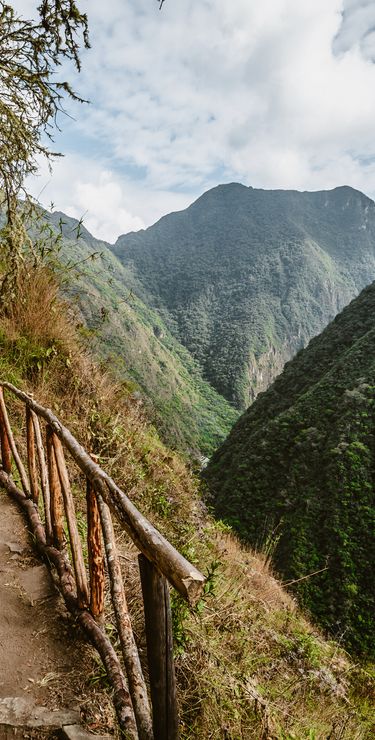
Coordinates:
<point>243,278</point>
<point>134,341</point>
<point>297,474</point>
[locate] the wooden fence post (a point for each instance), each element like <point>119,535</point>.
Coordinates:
<point>6,454</point>
<point>12,444</point>
<point>55,493</point>
<point>31,459</point>
<point>95,553</point>
<point>158,623</point>
<point>75,540</point>
<point>44,482</point>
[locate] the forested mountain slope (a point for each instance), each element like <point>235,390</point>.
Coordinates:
<point>245,277</point>
<point>297,474</point>
<point>136,344</point>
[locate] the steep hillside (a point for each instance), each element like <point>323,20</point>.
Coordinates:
<point>248,664</point>
<point>137,346</point>
<point>297,474</point>
<point>244,277</point>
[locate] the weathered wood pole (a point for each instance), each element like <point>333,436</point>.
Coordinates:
<point>158,623</point>
<point>75,540</point>
<point>6,454</point>
<point>95,553</point>
<point>137,685</point>
<point>55,493</point>
<point>13,446</point>
<point>43,476</point>
<point>31,457</point>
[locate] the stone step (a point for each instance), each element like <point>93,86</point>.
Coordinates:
<point>20,716</point>
<point>76,732</point>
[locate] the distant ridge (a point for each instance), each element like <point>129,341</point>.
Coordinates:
<point>245,277</point>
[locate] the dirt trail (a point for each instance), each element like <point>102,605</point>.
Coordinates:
<point>42,659</point>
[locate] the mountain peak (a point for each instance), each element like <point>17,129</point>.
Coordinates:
<point>247,276</point>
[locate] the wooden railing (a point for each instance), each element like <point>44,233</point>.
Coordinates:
<point>82,583</point>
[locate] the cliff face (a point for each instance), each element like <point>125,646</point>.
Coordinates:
<point>247,276</point>
<point>297,474</point>
<point>262,370</point>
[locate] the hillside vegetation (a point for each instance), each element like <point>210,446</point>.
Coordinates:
<point>248,663</point>
<point>297,474</point>
<point>244,278</point>
<point>134,342</point>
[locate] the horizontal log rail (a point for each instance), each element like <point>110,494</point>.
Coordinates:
<point>82,583</point>
<point>178,571</point>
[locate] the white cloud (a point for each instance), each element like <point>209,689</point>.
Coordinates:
<point>105,215</point>
<point>357,28</point>
<point>107,203</point>
<point>275,94</point>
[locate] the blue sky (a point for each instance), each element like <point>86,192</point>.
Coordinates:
<point>277,94</point>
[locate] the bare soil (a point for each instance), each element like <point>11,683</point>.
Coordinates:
<point>43,655</point>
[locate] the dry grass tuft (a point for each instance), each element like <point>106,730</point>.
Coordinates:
<point>39,313</point>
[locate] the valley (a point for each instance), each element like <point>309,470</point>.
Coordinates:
<point>187,370</point>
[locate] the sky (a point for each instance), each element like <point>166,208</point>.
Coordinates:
<point>273,94</point>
